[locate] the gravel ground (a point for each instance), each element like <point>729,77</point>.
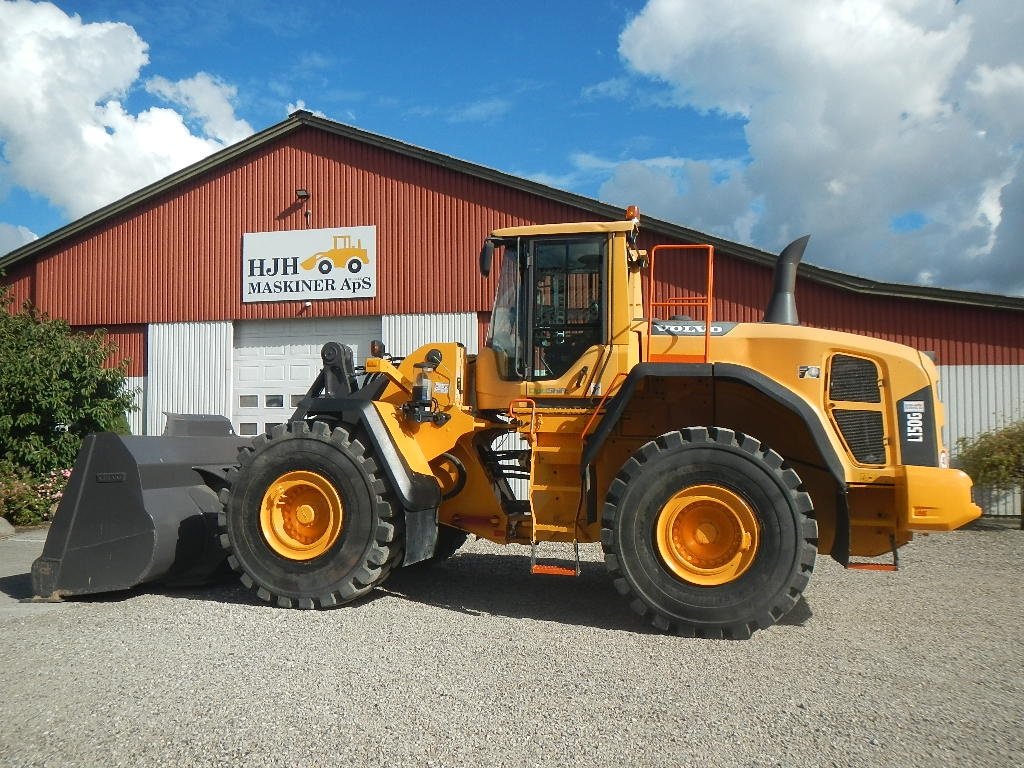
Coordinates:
<point>478,663</point>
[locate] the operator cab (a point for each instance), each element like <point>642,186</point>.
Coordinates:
<point>555,329</point>
<point>549,306</point>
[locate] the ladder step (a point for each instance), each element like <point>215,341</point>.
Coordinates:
<point>872,567</point>
<point>548,569</point>
<point>543,569</point>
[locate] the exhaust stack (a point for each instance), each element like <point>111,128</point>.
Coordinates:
<point>782,305</point>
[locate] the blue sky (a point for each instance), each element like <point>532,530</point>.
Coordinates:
<point>891,130</point>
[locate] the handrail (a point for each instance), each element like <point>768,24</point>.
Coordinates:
<point>533,411</point>
<point>600,405</point>
<point>706,302</point>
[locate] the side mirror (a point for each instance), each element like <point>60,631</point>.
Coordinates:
<point>486,257</point>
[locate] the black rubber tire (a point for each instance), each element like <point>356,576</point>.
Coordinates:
<point>368,543</point>
<point>355,266</point>
<point>779,572</point>
<point>325,267</point>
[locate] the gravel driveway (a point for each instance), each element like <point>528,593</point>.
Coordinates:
<point>478,663</point>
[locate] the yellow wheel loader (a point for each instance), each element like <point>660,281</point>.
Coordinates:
<point>712,460</point>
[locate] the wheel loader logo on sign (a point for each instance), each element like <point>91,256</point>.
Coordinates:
<point>343,255</point>
<point>309,264</point>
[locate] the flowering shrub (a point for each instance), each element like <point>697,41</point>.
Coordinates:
<point>29,500</point>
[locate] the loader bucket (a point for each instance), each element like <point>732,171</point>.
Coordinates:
<point>136,510</point>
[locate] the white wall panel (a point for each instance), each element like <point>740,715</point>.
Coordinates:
<point>189,370</point>
<point>137,418</point>
<point>404,334</point>
<point>979,398</point>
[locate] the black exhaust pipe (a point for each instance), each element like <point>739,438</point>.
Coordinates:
<point>782,305</point>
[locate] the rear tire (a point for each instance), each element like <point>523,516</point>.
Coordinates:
<point>306,520</point>
<point>709,534</point>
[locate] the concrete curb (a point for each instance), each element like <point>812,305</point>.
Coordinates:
<point>6,529</point>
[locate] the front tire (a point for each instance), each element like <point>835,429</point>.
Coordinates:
<point>306,520</point>
<point>708,534</point>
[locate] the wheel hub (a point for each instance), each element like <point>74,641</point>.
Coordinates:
<point>301,515</point>
<point>707,535</point>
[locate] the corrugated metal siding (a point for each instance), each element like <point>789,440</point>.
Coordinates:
<point>979,398</point>
<point>130,341</point>
<point>404,334</point>
<point>20,279</point>
<point>189,370</point>
<point>137,418</point>
<point>177,257</point>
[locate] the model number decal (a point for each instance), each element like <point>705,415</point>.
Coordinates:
<point>914,411</point>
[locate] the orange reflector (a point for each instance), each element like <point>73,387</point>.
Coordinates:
<point>552,570</point>
<point>872,567</point>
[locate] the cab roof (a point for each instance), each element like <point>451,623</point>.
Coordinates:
<point>577,228</point>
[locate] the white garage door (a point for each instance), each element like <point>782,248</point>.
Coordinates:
<point>276,361</point>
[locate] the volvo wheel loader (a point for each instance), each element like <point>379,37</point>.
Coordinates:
<point>713,461</point>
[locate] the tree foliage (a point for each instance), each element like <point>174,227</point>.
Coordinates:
<point>995,459</point>
<point>54,389</point>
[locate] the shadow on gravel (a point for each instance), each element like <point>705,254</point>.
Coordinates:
<point>231,591</point>
<point>485,585</point>
<point>17,587</point>
<point>503,586</point>
<point>471,584</point>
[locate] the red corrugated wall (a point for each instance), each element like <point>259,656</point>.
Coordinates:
<point>178,257</point>
<point>130,344</point>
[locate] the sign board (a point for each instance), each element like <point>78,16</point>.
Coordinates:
<point>307,264</point>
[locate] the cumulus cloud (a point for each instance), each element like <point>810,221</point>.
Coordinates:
<point>207,99</point>
<point>14,236</point>
<point>892,130</point>
<point>64,131</point>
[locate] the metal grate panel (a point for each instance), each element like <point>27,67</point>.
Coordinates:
<point>854,380</point>
<point>864,433</point>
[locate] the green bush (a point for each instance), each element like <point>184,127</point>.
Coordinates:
<point>56,389</point>
<point>995,459</point>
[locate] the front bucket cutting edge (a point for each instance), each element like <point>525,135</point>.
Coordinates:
<point>136,510</point>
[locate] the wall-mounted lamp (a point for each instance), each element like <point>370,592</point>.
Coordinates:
<point>302,194</point>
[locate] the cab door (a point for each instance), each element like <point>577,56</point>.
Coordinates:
<point>566,314</point>
<point>548,330</point>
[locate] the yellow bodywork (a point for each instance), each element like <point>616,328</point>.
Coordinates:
<point>862,507</point>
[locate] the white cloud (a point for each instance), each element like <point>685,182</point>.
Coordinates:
<point>208,99</point>
<point>14,236</point>
<point>480,111</point>
<point>64,131</point>
<point>858,113</point>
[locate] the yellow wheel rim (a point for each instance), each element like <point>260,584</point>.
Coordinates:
<point>301,515</point>
<point>707,535</point>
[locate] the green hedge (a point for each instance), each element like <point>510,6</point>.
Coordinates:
<point>56,389</point>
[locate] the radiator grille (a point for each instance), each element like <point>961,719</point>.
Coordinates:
<point>853,380</point>
<point>863,432</point>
